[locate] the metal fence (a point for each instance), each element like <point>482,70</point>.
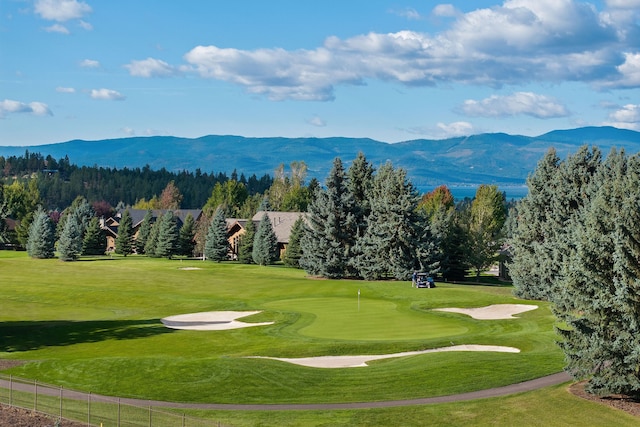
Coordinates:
<point>95,410</point>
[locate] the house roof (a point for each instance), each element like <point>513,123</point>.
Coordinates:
<point>137,216</point>
<point>282,222</point>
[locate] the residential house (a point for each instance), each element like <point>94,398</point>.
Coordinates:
<point>110,225</point>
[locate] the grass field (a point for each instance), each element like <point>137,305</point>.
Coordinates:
<point>94,325</point>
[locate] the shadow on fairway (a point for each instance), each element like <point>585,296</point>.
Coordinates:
<point>25,336</point>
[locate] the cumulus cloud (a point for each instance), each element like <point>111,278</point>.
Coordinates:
<point>151,67</point>
<point>89,63</point>
<point>627,117</point>
<point>317,121</point>
<point>9,106</point>
<point>445,10</point>
<point>455,129</point>
<point>444,130</point>
<point>515,43</point>
<point>528,103</point>
<point>108,94</point>
<point>57,28</point>
<point>85,25</point>
<point>65,89</point>
<point>61,10</point>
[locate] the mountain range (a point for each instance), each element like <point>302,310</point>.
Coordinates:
<point>489,158</point>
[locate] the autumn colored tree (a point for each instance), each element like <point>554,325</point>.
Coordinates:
<point>171,198</point>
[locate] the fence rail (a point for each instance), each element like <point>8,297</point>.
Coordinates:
<point>95,410</point>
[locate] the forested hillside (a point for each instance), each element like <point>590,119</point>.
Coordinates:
<point>60,181</point>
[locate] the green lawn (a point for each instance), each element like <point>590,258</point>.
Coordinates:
<point>94,325</point>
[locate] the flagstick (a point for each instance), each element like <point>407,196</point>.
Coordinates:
<point>358,299</point>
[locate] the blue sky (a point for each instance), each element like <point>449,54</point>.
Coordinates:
<point>387,70</point>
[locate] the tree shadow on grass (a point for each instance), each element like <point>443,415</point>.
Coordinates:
<point>25,336</point>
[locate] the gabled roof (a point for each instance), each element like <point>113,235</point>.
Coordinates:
<point>282,222</point>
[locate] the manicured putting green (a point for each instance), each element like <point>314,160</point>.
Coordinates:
<point>370,320</point>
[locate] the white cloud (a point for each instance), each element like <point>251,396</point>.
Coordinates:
<point>89,63</point>
<point>623,4</point>
<point>445,10</point>
<point>9,106</point>
<point>61,10</point>
<point>65,89</point>
<point>455,129</point>
<point>151,67</point>
<point>107,94</point>
<point>409,13</point>
<point>317,121</point>
<point>57,28</point>
<point>85,25</point>
<point>528,103</point>
<point>516,43</point>
<point>628,117</point>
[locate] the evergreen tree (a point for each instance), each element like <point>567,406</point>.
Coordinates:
<point>216,247</point>
<point>265,243</point>
<point>144,233</point>
<point>245,251</point>
<point>41,241</point>
<point>152,241</point>
<point>95,241</point>
<point>327,245</point>
<point>396,241</point>
<point>546,216</point>
<point>4,238</point>
<point>598,297</point>
<point>124,240</point>
<point>451,227</point>
<point>488,214</point>
<point>292,254</point>
<point>168,236</point>
<point>360,183</point>
<point>70,243</point>
<point>187,235</point>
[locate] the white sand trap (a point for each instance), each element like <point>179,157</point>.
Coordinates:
<point>189,268</point>
<point>361,361</point>
<point>492,312</point>
<point>211,321</point>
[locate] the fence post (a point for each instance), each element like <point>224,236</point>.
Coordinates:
<point>35,398</point>
<point>150,416</point>
<point>118,424</point>
<point>60,402</point>
<point>11,390</point>
<point>183,415</point>
<point>89,409</point>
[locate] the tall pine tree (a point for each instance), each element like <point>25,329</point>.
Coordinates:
<point>124,240</point>
<point>70,243</point>
<point>265,243</point>
<point>245,250</point>
<point>168,236</point>
<point>292,254</point>
<point>144,232</point>
<point>327,245</point>
<point>187,237</point>
<point>95,241</point>
<point>216,247</point>
<point>41,240</point>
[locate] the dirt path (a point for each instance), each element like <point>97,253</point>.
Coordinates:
<point>480,394</point>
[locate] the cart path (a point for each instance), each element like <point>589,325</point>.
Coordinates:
<point>525,386</point>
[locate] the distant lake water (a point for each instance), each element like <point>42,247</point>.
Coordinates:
<point>513,192</point>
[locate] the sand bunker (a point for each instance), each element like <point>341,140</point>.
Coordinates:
<point>361,361</point>
<point>189,268</point>
<point>492,312</point>
<point>211,321</point>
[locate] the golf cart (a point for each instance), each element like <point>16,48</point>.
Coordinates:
<point>424,280</point>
